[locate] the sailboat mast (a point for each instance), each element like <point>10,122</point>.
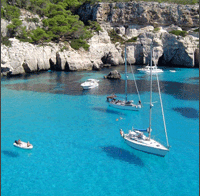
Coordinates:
<point>150,93</point>
<point>125,75</point>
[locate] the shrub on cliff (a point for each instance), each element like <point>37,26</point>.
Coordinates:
<point>23,35</point>
<point>9,12</point>
<point>196,30</point>
<point>78,43</point>
<point>115,37</point>
<point>94,25</point>
<point>5,40</point>
<point>133,39</point>
<point>179,33</point>
<point>39,36</point>
<point>156,29</point>
<point>14,26</point>
<point>64,26</point>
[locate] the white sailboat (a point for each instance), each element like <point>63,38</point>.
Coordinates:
<point>136,137</point>
<point>124,104</point>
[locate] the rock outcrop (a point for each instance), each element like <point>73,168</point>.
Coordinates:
<point>113,75</point>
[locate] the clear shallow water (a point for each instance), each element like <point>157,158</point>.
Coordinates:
<point>77,145</point>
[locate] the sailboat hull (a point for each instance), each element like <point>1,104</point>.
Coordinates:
<point>125,107</point>
<point>148,147</point>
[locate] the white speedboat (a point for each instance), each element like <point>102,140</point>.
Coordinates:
<point>23,145</point>
<point>148,68</point>
<point>90,83</point>
<point>136,139</point>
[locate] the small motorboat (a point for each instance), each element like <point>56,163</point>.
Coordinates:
<point>148,69</point>
<point>90,83</point>
<point>23,145</point>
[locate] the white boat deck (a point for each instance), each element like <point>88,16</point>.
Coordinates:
<point>145,141</point>
<point>90,83</point>
<point>148,69</point>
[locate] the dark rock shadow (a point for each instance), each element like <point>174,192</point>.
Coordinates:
<point>122,155</point>
<point>10,153</point>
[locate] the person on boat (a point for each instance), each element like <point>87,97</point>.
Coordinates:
<point>112,97</point>
<point>28,144</point>
<point>121,133</point>
<point>139,102</point>
<point>19,141</point>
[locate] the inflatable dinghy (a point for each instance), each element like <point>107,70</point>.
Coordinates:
<point>23,145</point>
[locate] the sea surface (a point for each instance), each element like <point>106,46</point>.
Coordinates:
<point>77,147</point>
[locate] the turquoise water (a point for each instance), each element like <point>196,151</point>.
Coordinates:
<point>77,146</point>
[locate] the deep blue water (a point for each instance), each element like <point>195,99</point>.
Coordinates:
<point>77,146</point>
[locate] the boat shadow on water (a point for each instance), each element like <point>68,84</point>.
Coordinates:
<point>122,155</point>
<point>106,110</point>
<point>10,153</point>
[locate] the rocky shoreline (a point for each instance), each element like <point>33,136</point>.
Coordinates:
<point>145,21</point>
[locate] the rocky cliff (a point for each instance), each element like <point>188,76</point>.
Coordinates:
<point>146,22</point>
<point>142,13</point>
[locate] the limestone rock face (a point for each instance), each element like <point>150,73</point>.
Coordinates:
<point>24,57</point>
<point>102,48</point>
<point>154,13</point>
<point>135,30</point>
<point>178,51</point>
<point>29,20</point>
<point>4,24</point>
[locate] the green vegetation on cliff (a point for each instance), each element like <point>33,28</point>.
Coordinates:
<point>178,32</point>
<point>114,37</point>
<point>60,22</point>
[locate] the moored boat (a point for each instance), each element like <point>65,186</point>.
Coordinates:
<point>24,145</point>
<point>136,137</point>
<point>90,83</point>
<point>125,104</point>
